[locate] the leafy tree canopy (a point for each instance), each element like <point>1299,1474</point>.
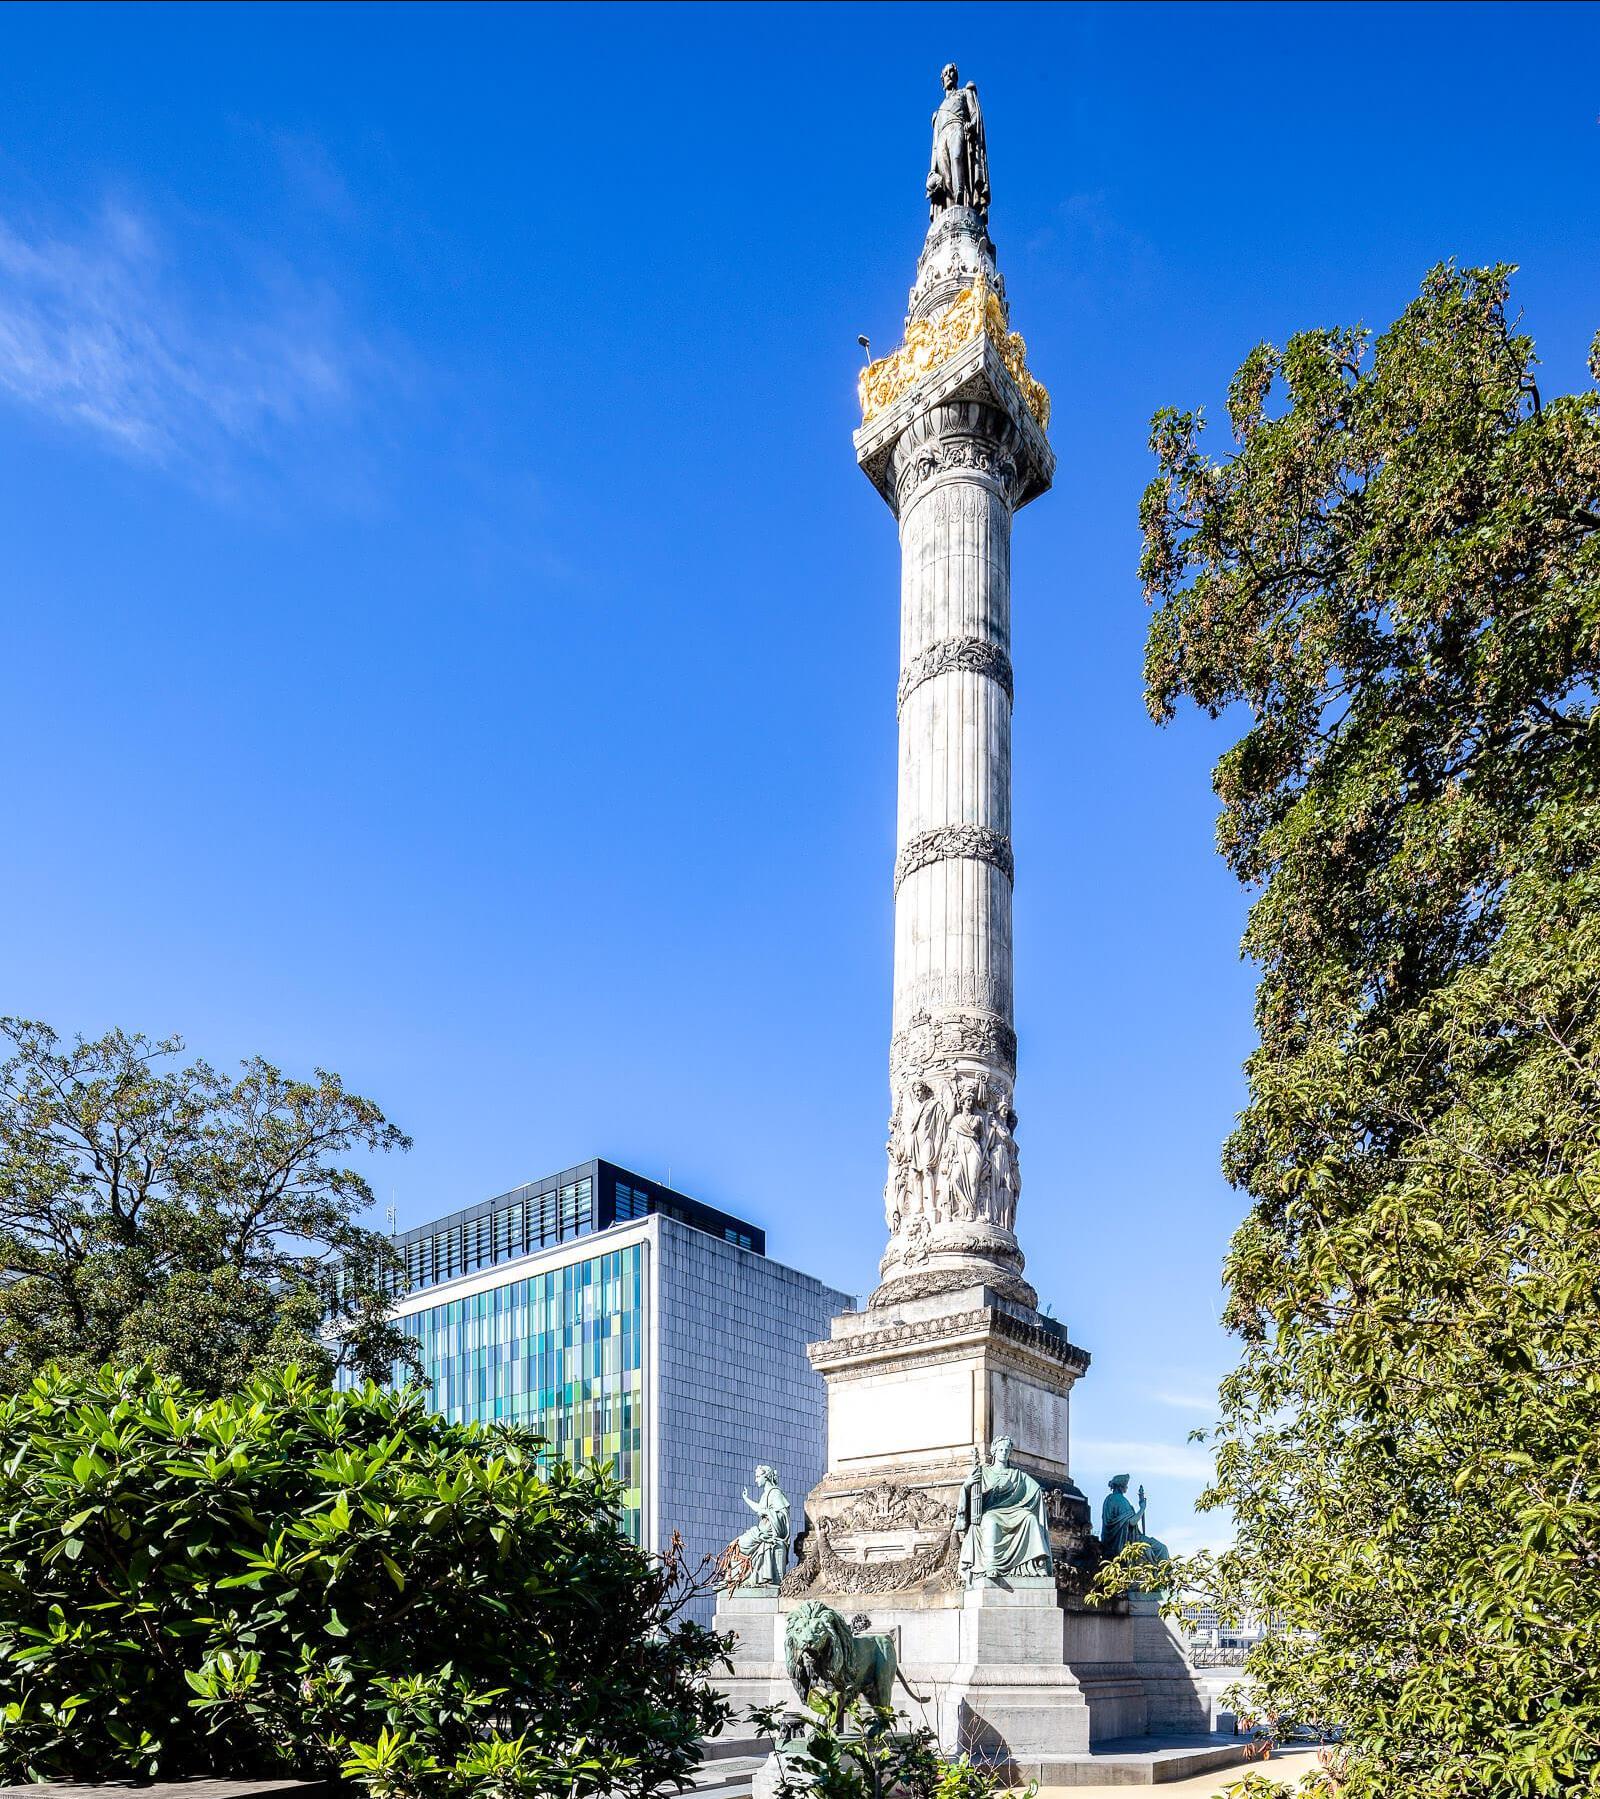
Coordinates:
<point>291,1580</point>
<point>1394,577</point>
<point>150,1210</point>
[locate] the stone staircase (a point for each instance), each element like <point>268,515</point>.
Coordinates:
<point>726,1776</point>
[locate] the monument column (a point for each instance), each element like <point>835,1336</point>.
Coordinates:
<point>948,1515</point>
<point>953,438</point>
<point>951,1354</point>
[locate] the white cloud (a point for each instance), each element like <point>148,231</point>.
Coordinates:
<point>1154,1461</point>
<point>185,361</point>
<point>1188,1402</point>
<point>1188,1538</point>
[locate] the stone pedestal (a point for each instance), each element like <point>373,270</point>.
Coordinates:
<point>1175,1699</point>
<point>1015,1673</point>
<point>912,1387</point>
<point>753,1616</point>
<point>1018,1670</point>
<point>1012,1695</point>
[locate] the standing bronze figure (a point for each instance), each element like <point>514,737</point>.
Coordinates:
<point>959,172</point>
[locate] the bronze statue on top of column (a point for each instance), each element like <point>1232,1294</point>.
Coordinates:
<point>958,174</point>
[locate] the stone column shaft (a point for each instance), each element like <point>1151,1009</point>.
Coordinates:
<point>953,912</point>
<point>956,453</point>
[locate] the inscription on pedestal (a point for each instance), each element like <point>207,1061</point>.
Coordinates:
<point>901,1414</point>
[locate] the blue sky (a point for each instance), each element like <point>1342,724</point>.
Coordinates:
<point>446,638</point>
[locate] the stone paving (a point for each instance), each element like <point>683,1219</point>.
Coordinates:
<point>1285,1768</point>
<point>731,1779</point>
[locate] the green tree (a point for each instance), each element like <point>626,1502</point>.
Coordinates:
<point>1393,580</point>
<point>290,1580</point>
<point>161,1212</point>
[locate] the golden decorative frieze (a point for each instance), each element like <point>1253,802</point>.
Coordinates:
<point>932,342</point>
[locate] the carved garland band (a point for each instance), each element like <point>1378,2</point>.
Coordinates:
<point>963,455</point>
<point>976,841</point>
<point>970,655</point>
<point>930,1040</point>
<point>899,1338</point>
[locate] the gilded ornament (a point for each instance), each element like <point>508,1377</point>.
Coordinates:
<point>932,342</point>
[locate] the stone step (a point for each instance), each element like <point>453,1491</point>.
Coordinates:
<point>1138,1761</point>
<point>728,1777</point>
<point>730,1744</point>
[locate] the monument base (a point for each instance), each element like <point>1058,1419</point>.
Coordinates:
<point>1017,1670</point>
<point>751,1616</point>
<point>1012,1696</point>
<point>1010,1674</point>
<point>1175,1699</point>
<point>913,1389</point>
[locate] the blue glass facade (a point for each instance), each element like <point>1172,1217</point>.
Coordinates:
<point>561,1352</point>
<point>626,1323</point>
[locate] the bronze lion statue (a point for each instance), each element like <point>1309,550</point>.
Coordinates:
<point>824,1656</point>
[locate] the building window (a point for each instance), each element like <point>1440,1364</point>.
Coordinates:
<point>477,1244</point>
<point>507,1233</point>
<point>577,1209</point>
<point>541,1219</point>
<point>631,1203</point>
<point>560,1352</point>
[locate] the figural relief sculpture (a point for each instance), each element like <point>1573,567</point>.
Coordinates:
<point>952,1157</point>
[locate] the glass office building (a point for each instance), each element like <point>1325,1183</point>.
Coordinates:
<point>560,1350</point>
<point>627,1322</point>
<point>590,1197</point>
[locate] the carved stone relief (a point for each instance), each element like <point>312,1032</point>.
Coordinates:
<point>930,1040</point>
<point>903,1335</point>
<point>973,655</point>
<point>944,988</point>
<point>893,1507</point>
<point>824,1569</point>
<point>956,253</point>
<point>952,1159</point>
<point>929,1283</point>
<point>1068,1512</point>
<point>977,841</point>
<point>930,342</point>
<point>886,1509</point>
<point>958,455</point>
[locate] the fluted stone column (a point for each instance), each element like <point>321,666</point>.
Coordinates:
<point>952,1355</point>
<point>954,454</point>
<point>952,1382</point>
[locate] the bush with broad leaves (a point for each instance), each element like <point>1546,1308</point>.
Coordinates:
<point>296,1581</point>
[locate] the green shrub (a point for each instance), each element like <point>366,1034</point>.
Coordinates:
<point>868,1758</point>
<point>292,1580</point>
